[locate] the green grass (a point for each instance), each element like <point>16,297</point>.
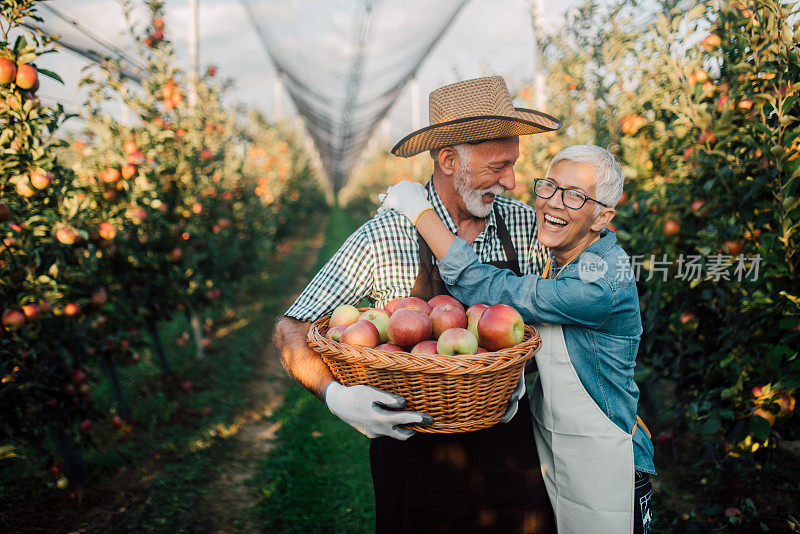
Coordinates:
<point>318,478</point>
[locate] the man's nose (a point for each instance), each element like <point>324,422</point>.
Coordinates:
<point>508,180</point>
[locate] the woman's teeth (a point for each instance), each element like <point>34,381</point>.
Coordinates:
<point>554,220</point>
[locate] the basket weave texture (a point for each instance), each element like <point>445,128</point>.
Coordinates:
<point>462,393</point>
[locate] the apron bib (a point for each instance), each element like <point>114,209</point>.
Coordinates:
<point>587,460</point>
<point>483,481</point>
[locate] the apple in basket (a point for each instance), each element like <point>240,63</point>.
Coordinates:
<point>413,303</point>
<point>380,318</point>
<point>344,314</point>
<point>389,347</point>
<point>408,327</point>
<point>474,313</point>
<point>500,327</point>
<point>446,316</point>
<point>392,304</point>
<point>444,299</point>
<point>362,333</point>
<point>335,333</point>
<point>457,341</point>
<point>425,347</point>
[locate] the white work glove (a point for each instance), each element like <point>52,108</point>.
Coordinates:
<point>362,407</point>
<point>513,402</point>
<point>410,199</point>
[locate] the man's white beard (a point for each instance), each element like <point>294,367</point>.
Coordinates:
<point>473,198</point>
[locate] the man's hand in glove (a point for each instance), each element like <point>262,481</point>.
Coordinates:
<point>513,402</point>
<point>369,410</point>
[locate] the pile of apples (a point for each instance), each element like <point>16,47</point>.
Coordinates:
<point>438,326</point>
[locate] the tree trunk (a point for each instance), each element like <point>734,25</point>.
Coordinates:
<point>161,354</point>
<point>118,391</point>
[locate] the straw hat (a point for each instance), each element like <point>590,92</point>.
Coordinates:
<point>473,110</point>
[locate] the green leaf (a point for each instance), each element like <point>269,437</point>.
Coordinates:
<point>51,74</point>
<point>760,428</point>
<point>710,426</point>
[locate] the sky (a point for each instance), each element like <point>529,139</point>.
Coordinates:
<point>487,37</point>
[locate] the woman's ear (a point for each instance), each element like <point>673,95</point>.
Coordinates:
<point>603,218</point>
<point>447,158</point>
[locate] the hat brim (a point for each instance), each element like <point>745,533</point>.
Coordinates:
<point>471,129</point>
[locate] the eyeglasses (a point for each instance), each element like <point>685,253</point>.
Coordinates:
<point>572,198</point>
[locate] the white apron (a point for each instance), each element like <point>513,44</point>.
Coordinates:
<point>587,460</point>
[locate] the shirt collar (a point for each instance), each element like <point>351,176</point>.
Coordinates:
<point>444,215</point>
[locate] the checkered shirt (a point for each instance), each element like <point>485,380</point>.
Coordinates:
<point>380,260</point>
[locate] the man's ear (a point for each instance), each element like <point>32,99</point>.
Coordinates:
<point>603,218</point>
<point>447,158</point>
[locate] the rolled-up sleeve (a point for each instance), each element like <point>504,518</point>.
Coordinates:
<point>565,300</point>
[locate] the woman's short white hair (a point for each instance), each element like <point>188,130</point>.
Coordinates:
<point>609,178</point>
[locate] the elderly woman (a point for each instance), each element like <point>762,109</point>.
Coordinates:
<point>595,452</point>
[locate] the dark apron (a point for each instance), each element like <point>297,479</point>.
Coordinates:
<point>483,481</point>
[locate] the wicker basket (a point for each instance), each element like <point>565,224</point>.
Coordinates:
<point>462,393</point>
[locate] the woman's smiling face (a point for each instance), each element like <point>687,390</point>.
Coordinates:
<point>564,230</point>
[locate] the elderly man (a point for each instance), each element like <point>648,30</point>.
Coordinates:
<point>488,480</point>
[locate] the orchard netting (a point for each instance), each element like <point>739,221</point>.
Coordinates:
<point>343,62</point>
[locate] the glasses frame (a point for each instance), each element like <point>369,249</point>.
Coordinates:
<point>563,189</point>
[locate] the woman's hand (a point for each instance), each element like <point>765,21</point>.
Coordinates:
<point>410,199</point>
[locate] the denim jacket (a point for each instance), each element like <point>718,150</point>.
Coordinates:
<point>594,299</point>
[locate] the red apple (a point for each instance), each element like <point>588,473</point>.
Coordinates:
<point>31,312</point>
<point>444,299</point>
<point>187,385</point>
<point>77,377</point>
<point>345,315</point>
<point>158,23</point>
<point>447,316</point>
<point>686,317</point>
<point>696,205</point>
<point>458,341</point>
<point>407,327</point>
<point>130,146</point>
<point>474,313</point>
<point>734,247</point>
<point>72,309</point>
<point>425,347</point>
<point>66,235</point>
<point>671,227</point>
<point>786,403</point>
<point>106,230</point>
<point>392,304</point>
<point>362,333</point>
<point>481,350</point>
<point>26,77</point>
<point>100,297</point>
<point>13,320</point>
<point>41,178</point>
<point>389,347</point>
<point>85,425</point>
<point>8,71</point>
<point>380,318</point>
<point>413,303</point>
<point>500,327</point>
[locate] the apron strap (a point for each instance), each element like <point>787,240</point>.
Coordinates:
<point>640,423</point>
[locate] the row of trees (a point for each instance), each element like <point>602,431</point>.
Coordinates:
<point>109,233</point>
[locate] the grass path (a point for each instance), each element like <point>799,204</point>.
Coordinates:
<point>316,478</point>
